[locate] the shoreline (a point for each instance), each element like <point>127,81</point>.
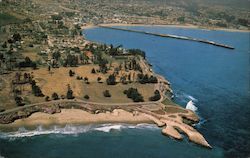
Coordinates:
<point>77,116</point>
<point>187,26</point>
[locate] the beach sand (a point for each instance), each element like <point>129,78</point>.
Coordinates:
<point>76,116</point>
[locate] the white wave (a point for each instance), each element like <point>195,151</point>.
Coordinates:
<point>192,98</point>
<point>146,126</point>
<point>68,129</point>
<point>190,105</point>
<point>73,130</point>
<point>184,97</point>
<point>108,128</point>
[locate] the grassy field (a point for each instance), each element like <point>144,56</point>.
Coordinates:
<point>6,99</point>
<point>6,19</point>
<point>95,92</point>
<point>58,80</point>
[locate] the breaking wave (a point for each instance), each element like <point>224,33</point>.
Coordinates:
<point>190,105</point>
<point>184,97</point>
<point>73,130</point>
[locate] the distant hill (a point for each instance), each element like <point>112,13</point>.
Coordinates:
<point>240,4</point>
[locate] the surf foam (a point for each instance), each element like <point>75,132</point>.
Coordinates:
<point>73,130</point>
<point>190,105</point>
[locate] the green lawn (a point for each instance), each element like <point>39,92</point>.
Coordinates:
<point>6,19</point>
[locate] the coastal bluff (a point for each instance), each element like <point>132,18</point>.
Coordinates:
<point>168,117</point>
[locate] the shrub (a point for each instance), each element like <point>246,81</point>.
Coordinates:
<point>156,96</point>
<point>133,94</point>
<point>111,80</point>
<point>106,93</point>
<point>47,98</point>
<point>86,97</point>
<point>19,101</point>
<point>55,96</point>
<point>99,79</point>
<point>71,73</point>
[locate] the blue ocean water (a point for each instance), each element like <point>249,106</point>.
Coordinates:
<point>216,79</point>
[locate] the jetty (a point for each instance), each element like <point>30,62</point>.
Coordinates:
<point>171,36</point>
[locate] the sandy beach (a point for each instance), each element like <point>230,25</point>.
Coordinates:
<point>76,116</point>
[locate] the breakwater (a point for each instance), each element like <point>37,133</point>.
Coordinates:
<point>172,36</point>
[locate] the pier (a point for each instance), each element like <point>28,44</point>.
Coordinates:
<point>171,36</point>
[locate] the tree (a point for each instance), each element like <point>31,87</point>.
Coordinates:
<point>106,93</point>
<point>16,37</point>
<point>93,71</point>
<point>99,79</point>
<point>111,80</point>
<point>37,91</point>
<point>55,96</point>
<point>69,94</point>
<point>71,73</point>
<point>56,55</point>
<point>4,45</point>
<point>137,52</point>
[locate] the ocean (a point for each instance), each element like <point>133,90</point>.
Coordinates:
<point>215,79</point>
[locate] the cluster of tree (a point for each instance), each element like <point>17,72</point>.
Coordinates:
<point>102,64</point>
<point>106,93</point>
<point>156,96</point>
<point>19,101</point>
<point>71,60</point>
<point>27,63</point>
<point>36,90</point>
<point>69,14</point>
<point>113,51</point>
<point>243,22</point>
<point>56,55</point>
<point>111,80</point>
<point>143,79</point>
<point>27,78</point>
<point>16,37</point>
<point>181,19</point>
<point>221,24</point>
<point>137,52</point>
<point>133,94</point>
<point>132,65</point>
<point>56,17</point>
